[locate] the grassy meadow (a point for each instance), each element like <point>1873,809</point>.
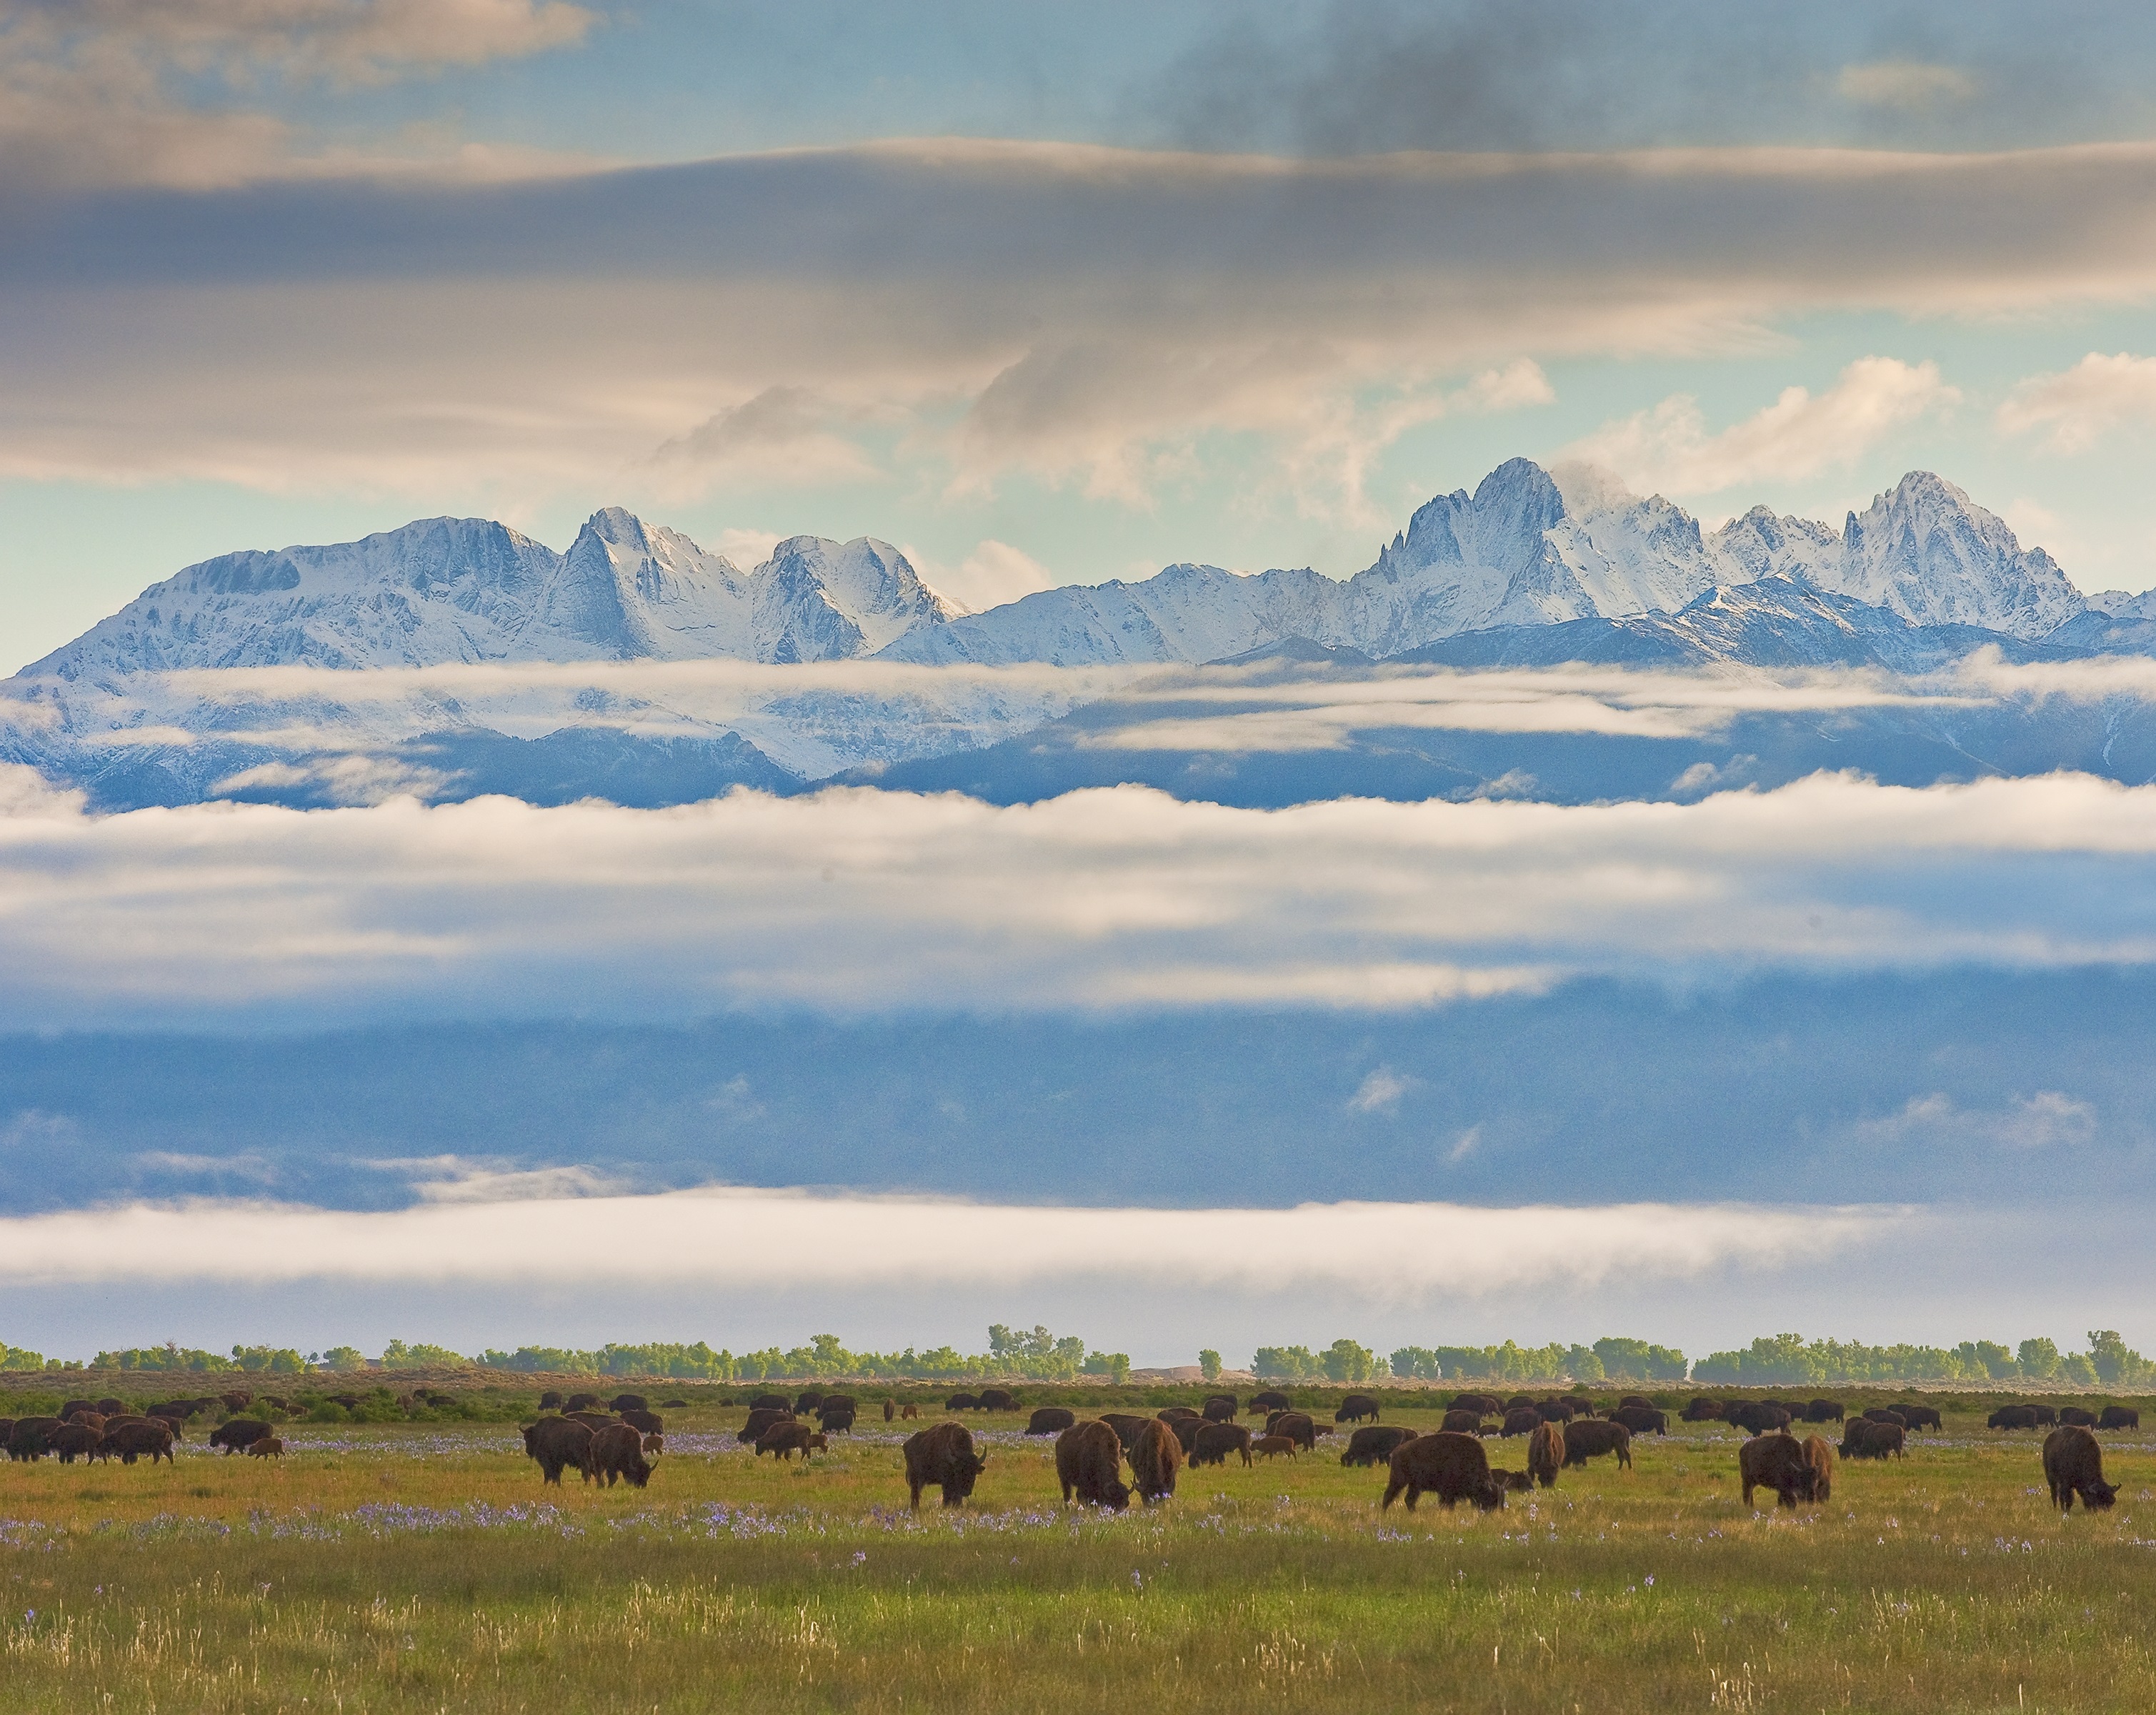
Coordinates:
<point>422,1567</point>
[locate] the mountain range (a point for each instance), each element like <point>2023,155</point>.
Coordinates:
<point>1535,567</point>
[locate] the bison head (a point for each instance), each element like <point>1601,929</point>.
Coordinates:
<point>2097,1494</point>
<point>1490,1498</point>
<point>965,1470</point>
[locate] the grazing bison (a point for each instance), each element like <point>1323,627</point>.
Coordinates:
<point>1823,1411</point>
<point>1178,1414</point>
<point>577,1402</point>
<point>1777,1461</point>
<point>837,1402</point>
<point>1462,1423</point>
<point>69,1410</point>
<point>1374,1444</point>
<point>1921,1416</point>
<point>1554,1411</point>
<point>1519,1402</point>
<point>239,1434</point>
<point>1088,1464</point>
<point>1704,1411</point>
<point>1221,1408</point>
<point>1355,1408</point>
<point>808,1399</point>
<point>1885,1414</point>
<point>618,1451</point>
<point>236,1401</point>
<point>1296,1425</point>
<point>943,1454</point>
<point>2012,1417</point>
<point>551,1400</point>
<point>1481,1404</point>
<point>1546,1454</point>
<point>1757,1417</point>
<point>910,1412</point>
<point>1821,1457</point>
<point>1185,1431</point>
<point>2073,1465</point>
<point>1270,1446</point>
<point>772,1402</point>
<point>1521,1421</point>
<point>75,1440</point>
<point>1642,1420</point>
<point>1516,1482</point>
<point>2046,1416</point>
<point>1214,1441</point>
<point>2073,1416</point>
<point>997,1399</point>
<point>1270,1399</point>
<point>835,1423</point>
<point>890,1410</point>
<point>2119,1417</point>
<point>1865,1438</point>
<point>268,1447</point>
<point>1590,1437</point>
<point>623,1404</point>
<point>654,1444</point>
<point>1126,1426</point>
<point>132,1439</point>
<point>558,1443</point>
<point>1453,1467</point>
<point>1052,1421</point>
<point>760,1419</point>
<point>1156,1456</point>
<point>962,1402</point>
<point>788,1437</point>
<point>1639,1399</point>
<point>648,1423</point>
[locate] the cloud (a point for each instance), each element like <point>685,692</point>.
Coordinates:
<point>2098,397</point>
<point>1380,1092</point>
<point>2044,1120</point>
<point>1909,84</point>
<point>785,435</point>
<point>993,573</point>
<point>1668,449</point>
<point>857,902</point>
<point>748,1238</point>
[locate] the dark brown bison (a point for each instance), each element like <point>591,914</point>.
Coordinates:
<point>1590,1437</point>
<point>1546,1454</point>
<point>239,1434</point>
<point>1185,1431</point>
<point>1642,1420</point>
<point>789,1436</point>
<point>237,1400</point>
<point>997,1399</point>
<point>1519,1402</point>
<point>1221,1408</point>
<point>1482,1404</point>
<point>577,1402</point>
<point>1453,1467</point>
<point>1821,1457</point>
<point>558,1443</point>
<point>1823,1411</point>
<point>1088,1464</point>
<point>1885,1414</point>
<point>1214,1441</point>
<point>835,1423</point>
<point>1521,1421</point>
<point>771,1402</point>
<point>1156,1456</point>
<point>1639,1399</point>
<point>67,1411</point>
<point>837,1402</point>
<point>1270,1446</point>
<point>1268,1400</point>
<point>1462,1423</point>
<point>890,1410</point>
<point>623,1404</point>
<point>113,1407</point>
<point>2045,1415</point>
<point>75,1440</point>
<point>908,1412</point>
<point>1296,1425</point>
<point>172,1411</point>
<point>1704,1411</point>
<point>618,1451</point>
<point>268,1447</point>
<point>2118,1417</point>
<point>760,1419</point>
<point>1178,1414</point>
<point>2074,1416</point>
<point>808,1399</point>
<point>1582,1406</point>
<point>1126,1424</point>
<point>131,1440</point>
<point>648,1423</point>
<point>1777,1461</point>
<point>592,1420</point>
<point>943,1454</point>
<point>1864,1438</point>
<point>1374,1444</point>
<point>1513,1482</point>
<point>1355,1408</point>
<point>2073,1465</point>
<point>962,1402</point>
<point>551,1400</point>
<point>1051,1421</point>
<point>2012,1417</point>
<point>1921,1416</point>
<point>1757,1417</point>
<point>96,1420</point>
<point>1555,1410</point>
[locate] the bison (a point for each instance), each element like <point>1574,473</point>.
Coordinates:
<point>1185,1431</point>
<point>962,1402</point>
<point>1481,1404</point>
<point>239,1434</point>
<point>1921,1416</point>
<point>30,1440</point>
<point>771,1402</point>
<point>618,1451</point>
<point>2073,1416</point>
<point>762,1419</point>
<point>1823,1411</point>
<point>789,1436</point>
<point>1221,1408</point>
<point>1757,1417</point>
<point>132,1439</point>
<point>1516,1482</point>
<point>1865,1438</point>
<point>1704,1411</point>
<point>1051,1419</point>
<point>1821,1457</point>
<point>808,1399</point>
<point>1590,1437</point>
<point>1126,1426</point>
<point>1639,1399</point>
<point>837,1402</point>
<point>558,1443</point>
<point>75,1440</point>
<point>267,1447</point>
<point>1214,1441</point>
<point>1462,1422</point>
<point>1156,1456</point>
<point>835,1423</point>
<point>577,1402</point>
<point>1089,1462</point>
<point>237,1401</point>
<point>2012,1417</point>
<point>1546,1454</point>
<point>551,1400</point>
<point>1269,1399</point>
<point>890,1410</point>
<point>1555,1411</point>
<point>1885,1414</point>
<point>1374,1444</point>
<point>1642,1420</point>
<point>910,1412</point>
<point>996,1399</point>
<point>2073,1465</point>
<point>1355,1408</point>
<point>69,1410</point>
<point>648,1423</point>
<point>943,1454</point>
<point>1452,1466</point>
<point>1270,1446</point>
<point>623,1404</point>
<point>1296,1425</point>
<point>2046,1416</point>
<point>1521,1421</point>
<point>2118,1417</point>
<point>1777,1461</point>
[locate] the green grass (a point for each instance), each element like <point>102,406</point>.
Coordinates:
<point>423,1568</point>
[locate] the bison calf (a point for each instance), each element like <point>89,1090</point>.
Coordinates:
<point>268,1447</point>
<point>1271,1446</point>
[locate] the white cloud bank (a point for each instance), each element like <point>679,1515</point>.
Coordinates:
<point>749,1239</point>
<point>2081,406</point>
<point>859,900</point>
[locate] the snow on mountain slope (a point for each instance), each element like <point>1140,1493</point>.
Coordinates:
<point>1927,551</point>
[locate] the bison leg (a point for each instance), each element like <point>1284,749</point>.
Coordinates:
<point>916,1486</point>
<point>1392,1492</point>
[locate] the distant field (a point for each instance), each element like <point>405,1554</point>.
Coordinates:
<point>422,1567</point>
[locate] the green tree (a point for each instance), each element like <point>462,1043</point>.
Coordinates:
<point>1345,1360</point>
<point>1208,1364</point>
<point>1287,1364</point>
<point>1418,1361</point>
<point>1987,1358</point>
<point>1115,1365</point>
<point>20,1357</point>
<point>2114,1361</point>
<point>2038,1359</point>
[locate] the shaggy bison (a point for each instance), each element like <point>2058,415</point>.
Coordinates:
<point>962,1402</point>
<point>997,1399</point>
<point>2073,1416</point>
<point>835,1423</point>
<point>1270,1399</point>
<point>1214,1441</point>
<point>762,1419</point>
<point>1453,1467</point>
<point>789,1436</point>
<point>2118,1417</point>
<point>1051,1421</point>
<point>1821,1457</point>
<point>1546,1454</point>
<point>239,1434</point>
<point>1521,1421</point>
<point>1704,1411</point>
<point>623,1404</point>
<point>1757,1417</point>
<point>1270,1446</point>
<point>909,1412</point>
<point>837,1402</point>
<point>943,1455</point>
<point>30,1440</point>
<point>577,1402</point>
<point>75,1440</point>
<point>1775,1461</point>
<point>558,1443</point>
<point>1374,1444</point>
<point>133,1439</point>
<point>1481,1404</point>
<point>1864,1438</point>
<point>1885,1414</point>
<point>1823,1411</point>
<point>808,1399</point>
<point>1221,1408</point>
<point>647,1423</point>
<point>551,1400</point>
<point>771,1402</point>
<point>1921,1416</point>
<point>1126,1426</point>
<point>1590,1437</point>
<point>1355,1408</point>
<point>1296,1425</point>
<point>1462,1423</point>
<point>1156,1456</point>
<point>268,1447</point>
<point>2012,1417</point>
<point>1185,1431</point>
<point>2073,1465</point>
<point>1556,1410</point>
<point>1642,1420</point>
<point>618,1451</point>
<point>1088,1464</point>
